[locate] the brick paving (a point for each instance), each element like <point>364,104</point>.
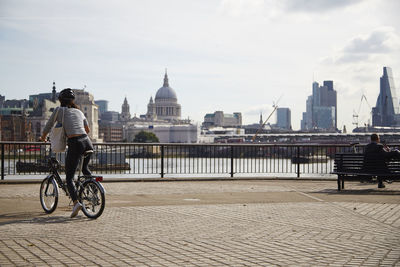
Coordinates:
<point>317,227</point>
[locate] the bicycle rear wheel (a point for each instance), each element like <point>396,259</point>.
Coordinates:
<point>91,196</point>
<point>49,194</point>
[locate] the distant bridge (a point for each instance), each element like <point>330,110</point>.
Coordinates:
<point>338,138</point>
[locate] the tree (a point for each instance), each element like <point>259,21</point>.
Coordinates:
<point>145,137</point>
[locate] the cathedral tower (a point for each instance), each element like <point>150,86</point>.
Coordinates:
<point>125,114</point>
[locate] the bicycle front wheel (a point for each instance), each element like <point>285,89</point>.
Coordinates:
<point>49,194</point>
<point>91,196</point>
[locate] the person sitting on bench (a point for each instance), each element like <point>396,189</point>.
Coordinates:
<point>375,157</point>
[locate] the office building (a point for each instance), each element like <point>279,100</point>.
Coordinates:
<point>321,108</point>
<point>15,128</point>
<point>85,101</point>
<point>386,112</point>
<point>111,131</point>
<point>103,106</point>
<point>283,118</point>
<point>219,119</point>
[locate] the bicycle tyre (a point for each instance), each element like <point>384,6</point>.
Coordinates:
<point>49,194</point>
<point>92,197</point>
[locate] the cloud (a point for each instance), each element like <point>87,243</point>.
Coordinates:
<point>275,8</point>
<point>311,6</point>
<point>349,58</point>
<point>379,41</point>
<point>382,41</point>
<point>250,8</point>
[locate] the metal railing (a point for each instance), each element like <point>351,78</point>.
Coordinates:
<point>175,160</point>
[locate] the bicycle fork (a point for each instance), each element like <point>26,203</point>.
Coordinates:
<point>49,180</point>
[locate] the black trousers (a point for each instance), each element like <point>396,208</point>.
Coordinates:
<point>76,148</point>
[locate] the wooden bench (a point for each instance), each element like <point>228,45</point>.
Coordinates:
<point>350,166</point>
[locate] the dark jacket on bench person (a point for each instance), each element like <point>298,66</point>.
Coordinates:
<point>376,156</point>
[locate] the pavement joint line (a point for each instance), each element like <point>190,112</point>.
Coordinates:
<point>357,214</point>
<point>344,208</point>
<point>307,195</point>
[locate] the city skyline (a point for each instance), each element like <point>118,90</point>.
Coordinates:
<point>235,56</point>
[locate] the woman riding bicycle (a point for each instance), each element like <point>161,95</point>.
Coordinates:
<point>76,128</point>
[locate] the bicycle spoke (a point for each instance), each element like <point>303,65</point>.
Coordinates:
<point>48,195</point>
<point>92,199</point>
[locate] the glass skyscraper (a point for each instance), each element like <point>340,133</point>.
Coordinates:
<point>283,118</point>
<point>321,108</point>
<point>386,111</point>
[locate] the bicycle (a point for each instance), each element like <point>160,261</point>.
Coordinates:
<point>91,193</point>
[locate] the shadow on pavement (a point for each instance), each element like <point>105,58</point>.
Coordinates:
<point>369,191</point>
<point>35,217</point>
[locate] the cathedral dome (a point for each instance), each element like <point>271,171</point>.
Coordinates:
<point>166,92</point>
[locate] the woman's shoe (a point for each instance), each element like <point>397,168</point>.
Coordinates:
<point>76,209</point>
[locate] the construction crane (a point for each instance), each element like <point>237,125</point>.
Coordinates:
<point>275,106</point>
<point>356,114</point>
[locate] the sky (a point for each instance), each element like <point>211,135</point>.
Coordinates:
<point>230,55</point>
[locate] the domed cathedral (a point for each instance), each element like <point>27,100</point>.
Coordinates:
<point>165,105</point>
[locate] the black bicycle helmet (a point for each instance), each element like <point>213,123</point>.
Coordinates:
<point>66,94</point>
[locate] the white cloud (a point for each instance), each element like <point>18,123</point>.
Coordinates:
<point>383,40</point>
<point>311,6</point>
<point>362,48</point>
<point>249,8</point>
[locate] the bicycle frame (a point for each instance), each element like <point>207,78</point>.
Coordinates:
<point>54,165</point>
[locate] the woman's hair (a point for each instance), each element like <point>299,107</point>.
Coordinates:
<point>67,97</point>
<point>69,103</point>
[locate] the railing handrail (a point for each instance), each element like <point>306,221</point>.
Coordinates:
<point>186,158</point>
<point>203,144</point>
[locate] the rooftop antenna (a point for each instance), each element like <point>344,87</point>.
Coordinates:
<point>275,106</point>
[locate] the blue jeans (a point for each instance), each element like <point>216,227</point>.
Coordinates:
<point>76,148</point>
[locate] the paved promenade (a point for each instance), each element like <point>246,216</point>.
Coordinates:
<point>208,223</point>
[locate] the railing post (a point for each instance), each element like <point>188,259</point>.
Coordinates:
<point>231,160</point>
<point>298,162</point>
<point>2,161</point>
<point>162,161</point>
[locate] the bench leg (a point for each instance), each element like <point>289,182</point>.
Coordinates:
<point>380,182</point>
<point>342,183</point>
<point>338,183</point>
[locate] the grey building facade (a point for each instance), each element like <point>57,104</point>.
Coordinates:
<point>219,119</point>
